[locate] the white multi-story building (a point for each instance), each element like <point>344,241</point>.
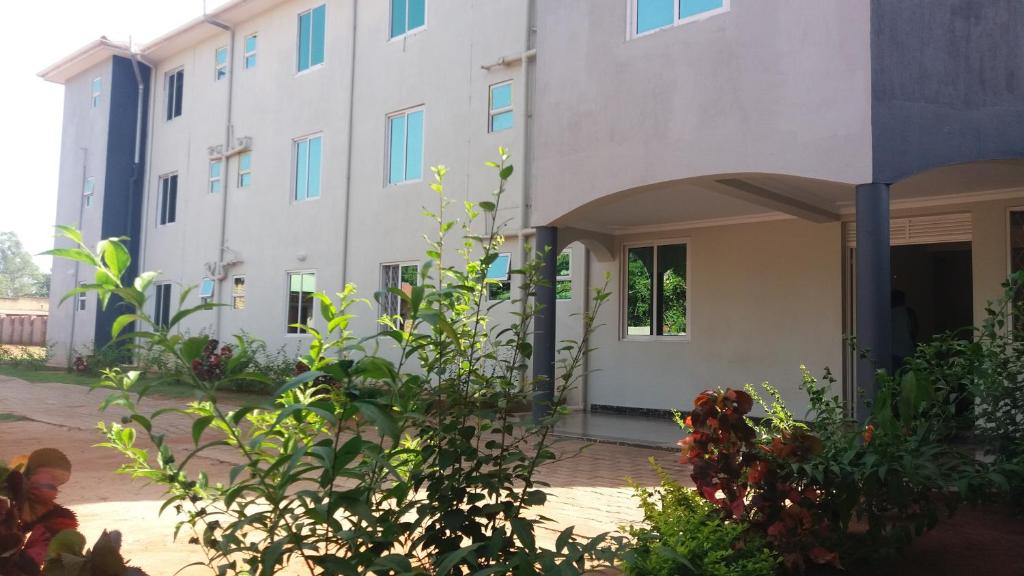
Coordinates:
<point>771,170</point>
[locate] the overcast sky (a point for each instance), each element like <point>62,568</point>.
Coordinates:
<point>33,35</point>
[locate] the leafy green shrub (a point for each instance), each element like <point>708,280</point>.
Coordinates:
<point>433,473</point>
<point>684,535</point>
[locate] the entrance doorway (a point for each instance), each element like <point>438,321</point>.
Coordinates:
<point>932,285</point>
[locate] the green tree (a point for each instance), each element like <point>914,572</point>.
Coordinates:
<point>19,275</point>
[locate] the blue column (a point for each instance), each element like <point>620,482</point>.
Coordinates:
<point>544,340</point>
<point>874,287</point>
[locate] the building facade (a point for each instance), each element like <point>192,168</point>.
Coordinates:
<point>757,180</point>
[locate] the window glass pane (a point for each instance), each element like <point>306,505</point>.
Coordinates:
<point>410,274</point>
<point>250,61</point>
<point>221,55</point>
<point>563,265</point>
<point>313,190</point>
<point>244,180</point>
<point>301,169</point>
<point>688,8</point>
<point>245,161</point>
<point>300,300</point>
<point>215,169</point>
<point>179,91</point>
<point>501,121</point>
<point>651,14</point>
<point>498,269</point>
<point>90,185</point>
<point>206,288</point>
<point>172,199</point>
<point>304,28</point>
<point>238,293</point>
<point>672,290</point>
<point>97,84</point>
<point>639,291</point>
<point>414,147</point>
<point>501,96</point>
<point>396,155</point>
<point>563,290</point>
<point>317,52</point>
<point>169,92</point>
<point>499,291</point>
<point>417,13</point>
<point>397,17</point>
<point>250,43</point>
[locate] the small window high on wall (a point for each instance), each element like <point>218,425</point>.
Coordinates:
<point>403,277</point>
<point>407,16</point>
<point>655,279</point>
<point>312,27</point>
<point>651,15</point>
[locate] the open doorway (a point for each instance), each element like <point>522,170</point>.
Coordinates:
<point>932,277</point>
<point>932,292</point>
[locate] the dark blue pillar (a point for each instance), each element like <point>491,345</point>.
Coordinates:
<point>544,341</point>
<point>874,287</point>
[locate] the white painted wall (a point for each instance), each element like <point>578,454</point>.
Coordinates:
<point>83,154</point>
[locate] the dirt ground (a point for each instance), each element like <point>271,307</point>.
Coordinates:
<point>588,491</point>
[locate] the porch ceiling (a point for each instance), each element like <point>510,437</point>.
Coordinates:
<point>711,200</point>
<point>972,178</point>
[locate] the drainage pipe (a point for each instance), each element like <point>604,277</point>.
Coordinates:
<point>348,152</point>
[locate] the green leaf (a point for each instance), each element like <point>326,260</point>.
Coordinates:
<point>123,320</point>
<point>449,560</point>
<point>76,254</point>
<point>199,426</point>
<point>116,257</point>
<point>193,347</point>
<point>379,417</point>
<point>523,530</point>
<point>506,172</point>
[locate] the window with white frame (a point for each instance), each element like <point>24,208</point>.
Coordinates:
<point>167,205</point>
<point>500,109</point>
<point>650,15</point>
<point>244,169</point>
<point>238,292</point>
<point>563,269</point>
<point>655,278</point>
<point>499,278</point>
<point>174,90</point>
<point>407,15</point>
<point>308,156</point>
<point>312,26</point>
<point>162,305</point>
<point>87,191</point>
<point>220,63</point>
<point>405,146</point>
<point>81,300</point>
<point>216,178</point>
<point>206,288</point>
<point>97,90</point>
<point>249,56</point>
<point>400,277</point>
<point>301,287</point>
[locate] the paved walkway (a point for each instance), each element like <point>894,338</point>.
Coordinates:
<point>588,490</point>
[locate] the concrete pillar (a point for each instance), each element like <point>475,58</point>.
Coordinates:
<point>544,340</point>
<point>874,287</point>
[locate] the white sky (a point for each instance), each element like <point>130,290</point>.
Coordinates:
<point>33,35</point>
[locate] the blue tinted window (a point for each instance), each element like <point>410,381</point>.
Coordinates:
<point>417,14</point>
<point>498,269</point>
<point>688,8</point>
<point>396,153</point>
<point>651,14</point>
<point>319,24</point>
<point>405,147</point>
<point>501,121</point>
<point>250,52</point>
<point>414,146</point>
<point>305,21</point>
<point>501,96</point>
<point>407,15</point>
<point>397,17</point>
<point>314,168</point>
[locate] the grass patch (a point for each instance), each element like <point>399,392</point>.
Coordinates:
<point>58,376</point>
<point>7,417</point>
